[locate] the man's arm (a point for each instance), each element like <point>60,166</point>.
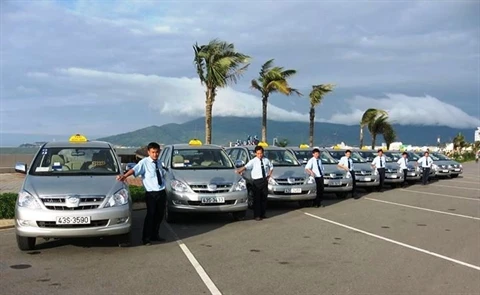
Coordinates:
<point>341,165</point>
<point>136,170</point>
<point>373,163</point>
<point>249,166</point>
<point>308,168</point>
<point>271,169</point>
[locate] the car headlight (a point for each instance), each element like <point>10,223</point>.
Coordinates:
<point>120,198</point>
<point>26,200</point>
<point>310,180</point>
<point>460,166</point>
<point>179,186</point>
<point>272,181</point>
<point>241,185</point>
<point>450,166</point>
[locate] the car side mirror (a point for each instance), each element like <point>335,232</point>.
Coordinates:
<point>21,167</point>
<point>239,163</point>
<point>304,162</point>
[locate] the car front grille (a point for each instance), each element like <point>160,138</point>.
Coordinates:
<point>93,223</point>
<point>203,188</point>
<point>363,173</point>
<point>392,171</point>
<point>199,203</point>
<point>86,202</point>
<point>291,181</point>
<point>333,176</point>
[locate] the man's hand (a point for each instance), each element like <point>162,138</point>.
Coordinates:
<point>121,178</point>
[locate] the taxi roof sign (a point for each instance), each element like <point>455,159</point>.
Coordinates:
<point>78,138</point>
<point>304,146</point>
<point>195,142</point>
<point>262,144</point>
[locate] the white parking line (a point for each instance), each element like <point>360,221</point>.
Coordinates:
<point>424,209</point>
<point>200,271</point>
<point>441,195</point>
<point>459,187</point>
<point>474,182</point>
<point>396,242</point>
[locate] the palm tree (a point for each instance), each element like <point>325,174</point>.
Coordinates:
<point>389,134</point>
<point>459,142</point>
<point>218,64</point>
<point>316,97</point>
<point>376,127</point>
<point>272,79</point>
<point>369,116</point>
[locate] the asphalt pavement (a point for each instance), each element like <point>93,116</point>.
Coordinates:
<point>418,240</point>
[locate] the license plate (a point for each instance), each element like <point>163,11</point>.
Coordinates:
<point>445,171</point>
<point>212,200</point>
<point>294,190</point>
<point>367,179</point>
<point>335,183</point>
<point>457,169</point>
<point>412,174</point>
<point>73,220</point>
<point>393,176</point>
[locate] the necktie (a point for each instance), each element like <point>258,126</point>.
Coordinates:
<point>349,165</point>
<point>426,161</point>
<point>319,170</point>
<point>381,162</point>
<point>157,171</point>
<point>263,169</point>
<point>405,160</point>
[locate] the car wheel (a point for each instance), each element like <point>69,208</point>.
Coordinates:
<point>26,243</point>
<point>240,215</point>
<point>171,217</point>
<point>250,198</point>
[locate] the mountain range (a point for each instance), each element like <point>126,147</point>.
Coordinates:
<point>229,129</point>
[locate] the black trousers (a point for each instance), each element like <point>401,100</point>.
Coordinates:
<point>260,194</point>
<point>320,187</point>
<point>156,203</point>
<point>381,174</point>
<point>426,172</point>
<point>354,184</point>
<point>405,171</point>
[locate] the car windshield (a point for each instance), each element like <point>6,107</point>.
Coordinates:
<point>441,157</point>
<point>303,155</point>
<point>393,155</point>
<point>367,155</point>
<point>279,157</point>
<point>356,158</point>
<point>413,156</point>
<point>327,158</point>
<point>75,161</point>
<point>434,157</point>
<point>201,159</point>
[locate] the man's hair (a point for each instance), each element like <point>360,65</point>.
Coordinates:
<point>153,145</point>
<point>258,148</point>
<point>348,151</point>
<point>426,152</point>
<point>315,150</point>
<point>380,150</point>
<point>405,153</point>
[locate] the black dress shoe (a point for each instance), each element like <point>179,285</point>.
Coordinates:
<point>158,239</point>
<point>264,217</point>
<point>147,243</point>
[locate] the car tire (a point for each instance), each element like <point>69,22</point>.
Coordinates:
<point>26,243</point>
<point>171,217</point>
<point>250,197</point>
<point>240,215</point>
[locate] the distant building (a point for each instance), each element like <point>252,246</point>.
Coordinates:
<point>477,134</point>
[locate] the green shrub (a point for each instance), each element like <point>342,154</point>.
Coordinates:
<point>137,193</point>
<point>464,157</point>
<point>7,205</point>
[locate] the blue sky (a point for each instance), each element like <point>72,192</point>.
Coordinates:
<point>106,67</point>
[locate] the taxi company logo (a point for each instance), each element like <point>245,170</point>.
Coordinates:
<point>212,187</point>
<point>72,201</point>
<point>291,180</point>
<point>363,172</point>
<point>332,175</point>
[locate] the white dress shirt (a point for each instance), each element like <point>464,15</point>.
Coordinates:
<point>379,162</point>
<point>426,162</point>
<point>314,164</point>
<point>345,161</point>
<point>255,165</point>
<point>403,162</point>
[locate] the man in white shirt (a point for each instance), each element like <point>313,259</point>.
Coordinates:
<point>346,164</point>
<point>403,163</point>
<point>315,169</point>
<point>426,163</point>
<point>379,163</point>
<point>262,170</point>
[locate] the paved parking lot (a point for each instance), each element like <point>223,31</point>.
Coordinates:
<point>419,240</point>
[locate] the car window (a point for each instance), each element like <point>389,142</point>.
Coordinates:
<point>367,155</point>
<point>357,158</point>
<point>327,158</point>
<point>303,155</point>
<point>75,161</point>
<point>201,159</point>
<point>242,155</point>
<point>442,157</point>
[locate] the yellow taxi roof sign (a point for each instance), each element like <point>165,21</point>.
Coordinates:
<point>78,138</point>
<point>304,146</point>
<point>365,147</point>
<point>263,144</point>
<point>195,142</point>
<point>337,147</point>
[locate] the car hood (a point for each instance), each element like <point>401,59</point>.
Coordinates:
<point>206,176</point>
<point>362,167</point>
<point>444,162</point>
<point>333,168</point>
<point>103,185</point>
<point>282,172</point>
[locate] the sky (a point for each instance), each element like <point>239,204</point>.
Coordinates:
<point>107,67</point>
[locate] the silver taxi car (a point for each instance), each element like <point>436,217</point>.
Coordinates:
<point>70,190</point>
<point>289,181</point>
<point>445,163</point>
<point>335,180</point>
<point>415,156</point>
<point>393,174</point>
<point>202,179</point>
<point>414,172</point>
<point>366,177</point>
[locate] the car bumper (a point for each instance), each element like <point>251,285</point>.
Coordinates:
<point>41,223</point>
<point>393,178</point>
<point>337,185</point>
<point>191,202</point>
<point>283,192</point>
<point>442,172</point>
<point>366,181</point>
<point>414,175</point>
<point>456,172</point>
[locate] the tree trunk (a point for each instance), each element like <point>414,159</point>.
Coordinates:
<point>374,137</point>
<point>210,96</point>
<point>264,117</point>
<point>388,146</point>
<point>361,136</point>
<point>312,125</point>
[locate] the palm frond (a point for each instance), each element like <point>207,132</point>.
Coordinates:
<point>288,73</point>
<point>256,86</point>
<point>266,66</point>
<point>318,93</point>
<point>389,133</point>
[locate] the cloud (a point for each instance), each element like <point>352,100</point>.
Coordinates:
<point>408,110</point>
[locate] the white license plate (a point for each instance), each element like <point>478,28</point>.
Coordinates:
<point>335,183</point>
<point>73,220</point>
<point>367,179</point>
<point>212,200</point>
<point>294,190</point>
<point>457,169</point>
<point>412,174</point>
<point>393,176</point>
<point>445,171</point>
